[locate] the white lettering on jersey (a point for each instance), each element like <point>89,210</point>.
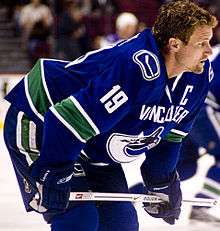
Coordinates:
<point>148,63</point>
<point>114,99</point>
<point>184,100</point>
<point>124,148</point>
<point>161,114</point>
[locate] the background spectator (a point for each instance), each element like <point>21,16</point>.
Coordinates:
<point>78,25</point>
<point>35,22</point>
<point>126,26</point>
<point>100,20</point>
<point>72,40</point>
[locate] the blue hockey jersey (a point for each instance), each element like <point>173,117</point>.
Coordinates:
<point>213,98</point>
<point>112,105</point>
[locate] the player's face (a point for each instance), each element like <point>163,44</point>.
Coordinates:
<point>191,57</point>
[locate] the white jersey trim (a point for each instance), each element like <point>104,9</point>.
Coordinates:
<point>18,138</point>
<point>32,137</point>
<point>176,82</point>
<point>179,132</point>
<point>44,82</point>
<point>85,115</point>
<point>29,99</point>
<point>83,58</point>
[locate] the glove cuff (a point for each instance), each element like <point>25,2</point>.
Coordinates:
<point>40,173</point>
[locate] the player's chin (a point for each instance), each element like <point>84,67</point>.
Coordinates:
<point>198,69</point>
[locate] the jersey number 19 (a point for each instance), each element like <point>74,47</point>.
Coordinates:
<point>114,99</point>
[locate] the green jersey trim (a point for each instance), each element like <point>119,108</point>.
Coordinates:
<point>212,189</point>
<point>83,112</point>
<point>37,91</point>
<point>75,118</point>
<point>175,136</point>
<point>32,106</point>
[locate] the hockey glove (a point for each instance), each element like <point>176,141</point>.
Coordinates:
<point>170,193</point>
<point>54,186</point>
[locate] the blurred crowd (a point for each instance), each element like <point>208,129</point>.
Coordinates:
<point>66,29</point>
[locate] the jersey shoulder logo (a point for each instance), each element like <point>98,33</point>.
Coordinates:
<point>124,148</point>
<point>148,63</point>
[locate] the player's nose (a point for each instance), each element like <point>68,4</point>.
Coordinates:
<point>208,50</point>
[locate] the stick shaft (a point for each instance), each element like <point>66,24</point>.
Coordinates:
<point>96,196</point>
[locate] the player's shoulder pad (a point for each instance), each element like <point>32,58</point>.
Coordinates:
<point>148,63</point>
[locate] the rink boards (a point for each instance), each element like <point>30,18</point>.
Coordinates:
<point>7,82</point>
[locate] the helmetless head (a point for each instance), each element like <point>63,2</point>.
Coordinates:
<point>126,25</point>
<point>183,31</point>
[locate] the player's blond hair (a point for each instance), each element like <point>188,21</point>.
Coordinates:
<point>179,19</point>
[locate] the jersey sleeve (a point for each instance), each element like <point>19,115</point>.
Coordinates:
<point>69,124</point>
<point>177,134</point>
<point>160,162</point>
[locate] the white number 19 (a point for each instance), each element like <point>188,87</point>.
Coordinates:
<point>114,99</point>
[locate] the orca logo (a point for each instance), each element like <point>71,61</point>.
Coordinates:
<point>127,148</point>
<point>148,63</point>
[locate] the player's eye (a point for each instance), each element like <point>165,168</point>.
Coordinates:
<point>203,44</point>
<point>200,44</point>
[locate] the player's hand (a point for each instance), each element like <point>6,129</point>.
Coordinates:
<point>170,192</point>
<point>54,186</point>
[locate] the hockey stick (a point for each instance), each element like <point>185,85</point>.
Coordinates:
<point>96,196</point>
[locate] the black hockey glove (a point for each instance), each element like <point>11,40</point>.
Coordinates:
<point>54,186</point>
<point>170,192</point>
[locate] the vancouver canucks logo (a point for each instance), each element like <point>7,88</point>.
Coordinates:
<point>148,63</point>
<point>127,148</point>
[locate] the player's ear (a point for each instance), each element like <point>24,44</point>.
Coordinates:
<point>174,44</point>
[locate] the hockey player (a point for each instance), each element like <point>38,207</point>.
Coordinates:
<point>205,134</point>
<point>106,108</point>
